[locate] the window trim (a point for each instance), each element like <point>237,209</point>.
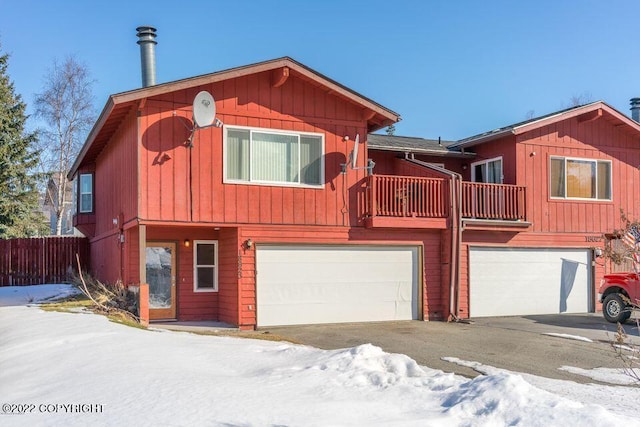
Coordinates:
<point>196,265</point>
<point>487,161</point>
<point>80,193</point>
<point>588,199</point>
<point>297,134</point>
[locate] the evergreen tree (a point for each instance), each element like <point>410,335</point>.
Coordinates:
<point>391,130</point>
<point>20,215</point>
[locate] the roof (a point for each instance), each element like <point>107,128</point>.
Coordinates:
<point>119,105</point>
<point>587,112</point>
<point>412,145</point>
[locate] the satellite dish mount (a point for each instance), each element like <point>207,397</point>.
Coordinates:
<point>353,159</point>
<point>204,113</point>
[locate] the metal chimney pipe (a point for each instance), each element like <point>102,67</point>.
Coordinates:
<point>635,109</point>
<point>147,42</point>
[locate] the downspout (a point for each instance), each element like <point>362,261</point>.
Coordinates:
<point>455,204</point>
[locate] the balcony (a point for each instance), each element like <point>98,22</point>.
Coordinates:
<point>401,201</point>
<point>502,202</point>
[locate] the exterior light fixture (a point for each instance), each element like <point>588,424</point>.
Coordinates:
<point>248,243</point>
<point>187,243</point>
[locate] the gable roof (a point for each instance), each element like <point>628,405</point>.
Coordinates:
<point>119,105</point>
<point>406,144</point>
<point>586,112</point>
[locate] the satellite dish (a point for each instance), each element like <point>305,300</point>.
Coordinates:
<point>204,109</point>
<point>354,153</point>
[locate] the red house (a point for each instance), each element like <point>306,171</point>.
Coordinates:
<point>264,220</point>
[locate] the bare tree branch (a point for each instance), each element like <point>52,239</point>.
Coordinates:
<point>66,106</point>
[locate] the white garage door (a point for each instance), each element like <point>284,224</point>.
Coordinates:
<point>332,284</point>
<point>518,281</point>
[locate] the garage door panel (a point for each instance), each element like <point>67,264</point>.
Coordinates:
<point>518,281</point>
<point>317,284</point>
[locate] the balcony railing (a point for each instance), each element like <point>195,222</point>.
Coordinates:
<point>417,197</point>
<point>402,196</point>
<point>493,201</point>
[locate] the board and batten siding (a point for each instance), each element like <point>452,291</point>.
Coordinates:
<point>251,101</point>
<point>520,240</point>
<point>116,178</point>
<point>598,140</point>
<point>115,197</point>
<point>434,301</point>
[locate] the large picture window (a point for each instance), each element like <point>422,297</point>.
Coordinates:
<point>580,178</point>
<point>86,193</point>
<point>205,264</point>
<point>264,156</point>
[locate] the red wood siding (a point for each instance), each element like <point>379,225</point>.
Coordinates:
<point>191,305</point>
<point>230,256</point>
<point>116,189</point>
<point>393,163</point>
<point>247,101</point>
<point>115,197</point>
<point>434,300</point>
<point>503,147</point>
<point>520,240</point>
<point>597,139</point>
<point>132,256</point>
<point>106,258</point>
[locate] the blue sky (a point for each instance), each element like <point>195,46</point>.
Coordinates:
<point>450,68</point>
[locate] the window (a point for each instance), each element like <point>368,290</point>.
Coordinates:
<point>86,193</point>
<point>489,171</point>
<point>205,260</point>
<point>580,178</point>
<point>271,157</point>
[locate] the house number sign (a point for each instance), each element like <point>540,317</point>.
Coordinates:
<point>593,238</point>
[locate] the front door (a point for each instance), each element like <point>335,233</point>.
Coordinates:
<point>161,277</point>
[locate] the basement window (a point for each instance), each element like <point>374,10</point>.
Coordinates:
<point>205,260</point>
<point>85,193</point>
<point>582,179</point>
<point>264,156</point>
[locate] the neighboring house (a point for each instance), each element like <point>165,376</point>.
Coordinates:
<point>50,206</point>
<point>535,200</point>
<point>258,223</point>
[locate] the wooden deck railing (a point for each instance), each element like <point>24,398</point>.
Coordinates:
<point>493,201</point>
<point>403,196</point>
<point>418,197</point>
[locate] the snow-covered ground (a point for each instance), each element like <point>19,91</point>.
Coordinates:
<point>51,364</point>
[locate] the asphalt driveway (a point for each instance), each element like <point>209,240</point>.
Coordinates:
<point>518,344</point>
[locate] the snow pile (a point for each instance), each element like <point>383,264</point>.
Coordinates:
<point>620,400</point>
<point>614,376</point>
<point>170,378</point>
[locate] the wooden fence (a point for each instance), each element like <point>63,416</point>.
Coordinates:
<point>40,260</point>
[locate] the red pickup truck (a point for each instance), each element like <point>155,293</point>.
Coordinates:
<point>619,294</point>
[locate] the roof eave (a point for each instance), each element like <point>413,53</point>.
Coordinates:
<point>245,70</point>
<point>104,115</point>
<point>482,138</point>
<point>378,116</point>
<point>437,153</point>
